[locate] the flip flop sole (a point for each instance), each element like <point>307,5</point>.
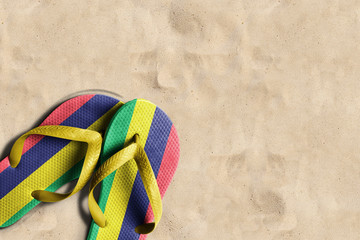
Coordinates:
<point>123,198</point>
<point>48,163</point>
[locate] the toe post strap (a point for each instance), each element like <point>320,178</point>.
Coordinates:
<point>132,152</point>
<point>92,138</point>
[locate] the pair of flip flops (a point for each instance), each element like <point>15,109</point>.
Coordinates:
<point>135,162</point>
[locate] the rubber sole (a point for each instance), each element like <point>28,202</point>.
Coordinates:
<point>48,163</point>
<point>122,197</point>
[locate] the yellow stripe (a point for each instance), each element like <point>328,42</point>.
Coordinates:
<point>125,176</point>
<point>50,171</point>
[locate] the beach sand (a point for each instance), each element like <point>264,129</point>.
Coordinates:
<point>265,96</point>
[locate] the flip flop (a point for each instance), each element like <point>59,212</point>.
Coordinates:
<point>39,164</point>
<point>139,158</point>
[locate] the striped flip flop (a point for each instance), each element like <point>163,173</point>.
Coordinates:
<point>139,158</point>
<point>39,164</point>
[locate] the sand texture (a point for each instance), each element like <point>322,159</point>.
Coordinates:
<point>265,96</point>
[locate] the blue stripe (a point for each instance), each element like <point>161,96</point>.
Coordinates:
<point>47,147</point>
<point>139,202</point>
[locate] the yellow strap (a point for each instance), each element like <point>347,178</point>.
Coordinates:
<point>93,139</point>
<point>136,152</point>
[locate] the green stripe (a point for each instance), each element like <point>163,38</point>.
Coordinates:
<point>70,175</point>
<point>113,142</point>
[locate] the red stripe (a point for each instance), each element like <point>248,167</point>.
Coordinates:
<point>167,170</point>
<point>59,115</point>
<point>4,164</point>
